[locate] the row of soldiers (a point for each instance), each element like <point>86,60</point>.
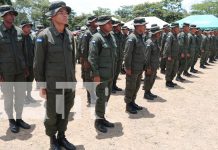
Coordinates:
<point>102,53</point>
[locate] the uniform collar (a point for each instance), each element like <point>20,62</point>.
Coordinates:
<point>103,34</point>
<point>55,30</point>
<point>5,29</point>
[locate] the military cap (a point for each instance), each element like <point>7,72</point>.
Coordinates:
<point>102,20</point>
<point>25,22</point>
<point>185,24</point>
<point>174,24</point>
<point>139,21</point>
<point>166,26</point>
<point>155,29</point>
<point>124,27</point>
<point>40,26</point>
<point>7,8</point>
<point>55,7</point>
<point>192,26</point>
<point>92,18</point>
<point>116,23</point>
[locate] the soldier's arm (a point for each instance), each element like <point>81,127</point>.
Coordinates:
<point>181,43</point>
<point>129,47</point>
<point>148,49</point>
<point>168,46</point>
<point>189,43</point>
<point>85,46</point>
<point>40,57</point>
<point>94,50</point>
<point>203,45</point>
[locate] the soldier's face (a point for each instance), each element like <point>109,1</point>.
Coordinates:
<point>176,29</point>
<point>107,27</point>
<point>9,17</point>
<point>27,29</point>
<point>93,24</point>
<point>141,29</point>
<point>61,16</point>
<point>186,29</point>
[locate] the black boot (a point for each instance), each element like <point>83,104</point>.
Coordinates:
<point>137,107</point>
<point>22,124</point>
<point>185,73</point>
<point>169,84</point>
<point>202,66</point>
<point>54,143</point>
<point>99,125</point>
<point>108,124</point>
<point>151,94</point>
<point>117,88</point>
<point>179,78</point>
<point>148,96</point>
<point>130,108</point>
<point>174,84</point>
<point>13,126</point>
<point>193,70</point>
<point>162,71</point>
<point>62,141</point>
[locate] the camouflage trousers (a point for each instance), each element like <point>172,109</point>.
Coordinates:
<point>58,106</point>
<point>133,83</point>
<point>171,69</point>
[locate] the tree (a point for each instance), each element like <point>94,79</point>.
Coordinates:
<point>125,12</point>
<point>3,2</point>
<point>206,7</point>
<point>102,11</point>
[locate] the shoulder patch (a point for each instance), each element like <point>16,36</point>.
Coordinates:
<point>93,42</point>
<point>39,40</point>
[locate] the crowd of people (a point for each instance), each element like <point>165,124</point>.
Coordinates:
<point>104,49</point>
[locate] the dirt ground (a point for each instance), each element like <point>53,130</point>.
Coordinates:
<point>183,118</point>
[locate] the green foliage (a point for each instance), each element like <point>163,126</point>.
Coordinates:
<point>102,11</point>
<point>3,2</point>
<point>125,13</point>
<point>206,7</point>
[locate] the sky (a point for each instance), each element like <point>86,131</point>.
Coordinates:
<point>87,6</point>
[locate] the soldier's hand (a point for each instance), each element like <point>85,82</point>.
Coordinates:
<point>128,72</point>
<point>182,55</point>
<point>1,78</point>
<point>148,71</point>
<point>81,60</point>
<point>86,64</point>
<point>97,79</point>
<point>43,93</point>
<point>169,58</point>
<point>26,72</point>
<point>188,55</point>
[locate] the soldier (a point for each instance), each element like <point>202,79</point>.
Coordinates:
<point>102,58</point>
<point>120,50</point>
<point>152,55</point>
<point>216,34</point>
<point>171,53</point>
<point>191,50</point>
<point>204,49</point>
<point>26,26</point>
<point>213,47</point>
<point>134,61</point>
<point>125,32</point>
<point>198,46</point>
<point>86,67</point>
<point>13,68</point>
<point>55,62</point>
<point>163,41</point>
<point>183,49</point>
<point>78,42</point>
